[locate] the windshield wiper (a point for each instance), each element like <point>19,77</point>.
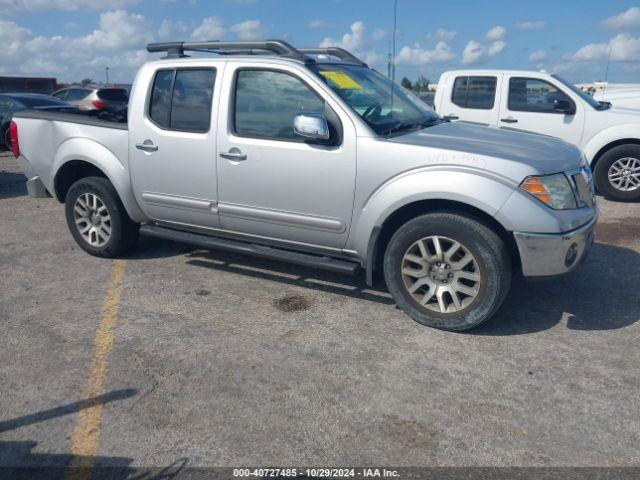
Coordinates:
<point>398,127</point>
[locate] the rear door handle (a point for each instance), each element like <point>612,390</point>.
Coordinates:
<point>147,146</point>
<point>234,154</point>
<point>451,116</point>
<point>509,120</point>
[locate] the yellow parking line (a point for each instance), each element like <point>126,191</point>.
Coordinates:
<point>86,436</point>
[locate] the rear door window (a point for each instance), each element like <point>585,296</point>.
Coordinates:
<point>77,94</point>
<point>181,99</point>
<point>476,92</point>
<point>113,95</point>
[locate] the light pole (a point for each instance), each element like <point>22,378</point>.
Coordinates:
<point>106,69</point>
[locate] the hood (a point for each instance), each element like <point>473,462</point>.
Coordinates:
<point>545,154</point>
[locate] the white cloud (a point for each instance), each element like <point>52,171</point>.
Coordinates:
<point>417,55</point>
<point>317,24</point>
<point>357,42</point>
<point>629,20</point>
<point>15,6</point>
<point>73,58</point>
<point>476,52</point>
<point>172,30</point>
<point>496,33</point>
<point>443,34</point>
<point>211,28</point>
<point>248,30</point>
<point>531,25</point>
<point>538,56</point>
<point>623,47</point>
<point>379,34</point>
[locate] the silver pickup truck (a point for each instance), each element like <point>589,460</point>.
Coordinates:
<point>311,157</point>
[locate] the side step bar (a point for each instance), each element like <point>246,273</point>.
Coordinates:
<point>262,251</point>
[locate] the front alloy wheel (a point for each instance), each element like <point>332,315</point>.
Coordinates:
<point>447,270</point>
<point>617,173</point>
<point>441,274</point>
<point>624,174</point>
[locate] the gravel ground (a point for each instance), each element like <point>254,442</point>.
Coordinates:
<point>224,360</point>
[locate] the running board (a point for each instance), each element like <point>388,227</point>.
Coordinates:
<point>262,251</point>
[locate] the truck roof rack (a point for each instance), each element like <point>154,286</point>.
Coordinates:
<point>337,52</point>
<point>277,47</point>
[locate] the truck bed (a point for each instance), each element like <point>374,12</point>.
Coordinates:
<point>50,139</point>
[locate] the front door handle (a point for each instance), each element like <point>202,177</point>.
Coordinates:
<point>509,120</point>
<point>451,117</point>
<point>234,154</point>
<point>147,146</point>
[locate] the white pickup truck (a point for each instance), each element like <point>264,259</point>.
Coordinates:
<point>547,104</point>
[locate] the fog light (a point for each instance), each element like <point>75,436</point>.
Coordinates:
<point>572,254</point>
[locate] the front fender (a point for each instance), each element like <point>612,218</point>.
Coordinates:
<point>477,189</point>
<point>101,157</point>
<point>610,135</point>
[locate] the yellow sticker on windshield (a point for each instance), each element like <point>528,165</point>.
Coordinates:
<point>341,80</point>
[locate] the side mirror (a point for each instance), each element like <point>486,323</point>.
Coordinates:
<point>564,106</point>
<point>311,125</point>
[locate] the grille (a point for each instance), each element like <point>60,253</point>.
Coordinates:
<point>583,187</point>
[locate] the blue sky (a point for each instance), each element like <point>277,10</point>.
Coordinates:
<point>74,39</point>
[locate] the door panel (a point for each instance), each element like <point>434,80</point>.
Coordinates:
<point>473,99</point>
<point>173,144</point>
<point>527,105</point>
<point>283,187</point>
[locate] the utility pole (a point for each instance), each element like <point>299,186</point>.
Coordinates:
<point>106,69</point>
<point>393,40</point>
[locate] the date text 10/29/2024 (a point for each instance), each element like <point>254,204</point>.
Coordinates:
<point>315,473</point>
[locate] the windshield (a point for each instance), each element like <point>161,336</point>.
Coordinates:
<point>581,93</point>
<point>385,106</point>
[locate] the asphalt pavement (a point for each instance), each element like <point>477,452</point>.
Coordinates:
<point>205,358</point>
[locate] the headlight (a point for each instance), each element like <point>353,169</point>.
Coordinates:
<point>554,190</point>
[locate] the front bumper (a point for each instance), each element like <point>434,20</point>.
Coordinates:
<point>547,255</point>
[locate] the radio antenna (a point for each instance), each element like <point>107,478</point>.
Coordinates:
<point>606,74</point>
<point>393,54</point>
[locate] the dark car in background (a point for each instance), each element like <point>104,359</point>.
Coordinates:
<point>94,98</point>
<point>14,102</point>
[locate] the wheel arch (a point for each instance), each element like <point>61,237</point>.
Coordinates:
<point>382,234</point>
<point>80,157</point>
<point>616,143</point>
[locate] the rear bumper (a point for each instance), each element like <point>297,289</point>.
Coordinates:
<point>548,255</point>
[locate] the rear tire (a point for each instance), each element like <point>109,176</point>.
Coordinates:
<point>6,138</point>
<point>97,219</point>
<point>617,173</point>
<point>447,271</point>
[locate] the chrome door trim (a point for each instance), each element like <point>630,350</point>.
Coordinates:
<point>179,202</point>
<point>299,220</point>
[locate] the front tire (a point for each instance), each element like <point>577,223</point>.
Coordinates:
<point>447,271</point>
<point>617,173</point>
<point>97,219</point>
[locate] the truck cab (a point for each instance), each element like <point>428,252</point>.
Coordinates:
<point>540,103</point>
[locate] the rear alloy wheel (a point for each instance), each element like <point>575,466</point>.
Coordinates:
<point>92,219</point>
<point>617,173</point>
<point>97,219</point>
<point>447,270</point>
